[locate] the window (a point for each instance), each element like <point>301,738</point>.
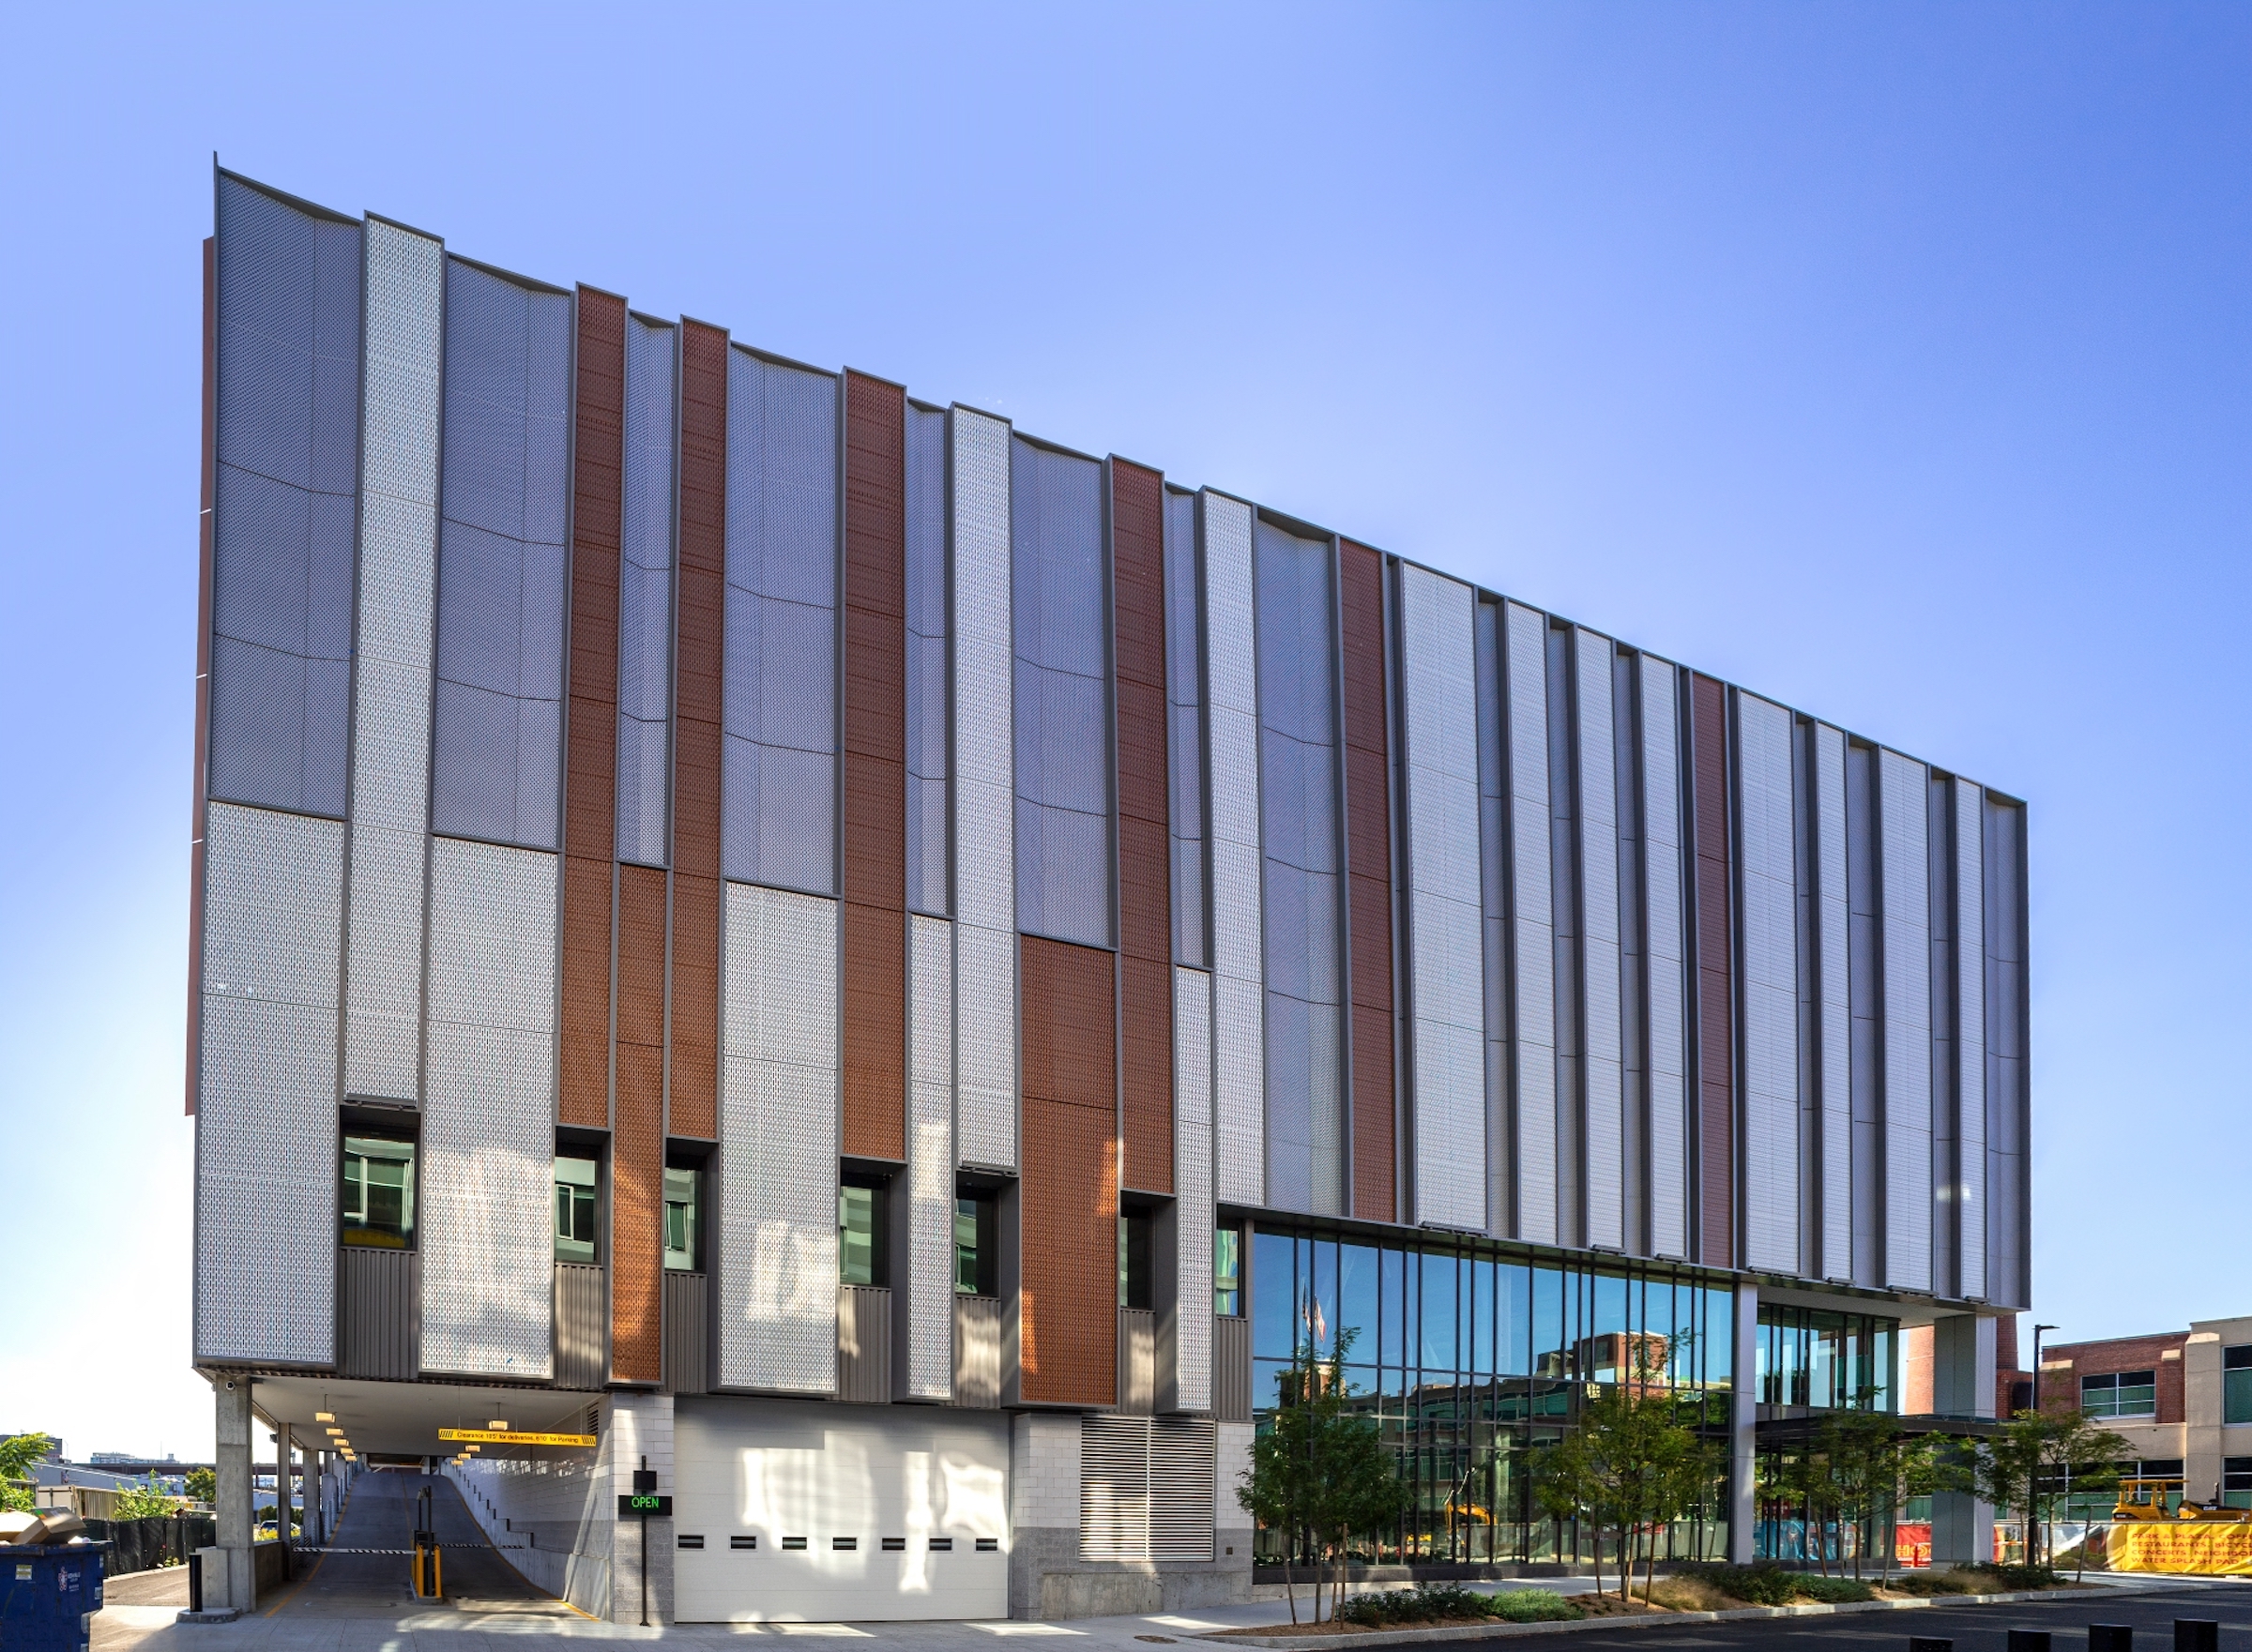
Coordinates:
<point>2236,1383</point>
<point>1134,1260</point>
<point>2120,1393</point>
<point>379,1191</point>
<point>977,1264</point>
<point>574,1208</point>
<point>859,1236</point>
<point>2236,1482</point>
<point>1227,1272</point>
<point>683,1220</point>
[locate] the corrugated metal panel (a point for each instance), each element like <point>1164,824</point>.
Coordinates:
<point>1231,1368</point>
<point>591,775</point>
<point>636,1255</point>
<point>376,1314</point>
<point>780,763</point>
<point>504,509</point>
<point>488,1126</point>
<point>928,696</point>
<point>1062,723</point>
<point>1603,1074</point>
<point>1238,1060</point>
<point>1833,1005</point>
<point>2007,1123</point>
<point>1302,900</point>
<point>1715,1022</point>
<point>1368,879</point>
<point>1138,533</point>
<point>1137,1361</point>
<point>863,1344</point>
<point>1970,1034</point>
<point>1863,958</point>
<point>1191,1371</point>
<point>1069,1200</point>
<point>1904,940</point>
<point>1184,729</point>
<point>391,687</point>
<point>977,1378</point>
<point>1532,927</point>
<point>1184,1487</point>
<point>265,1136</point>
<point>1494,922</point>
<point>687,1333</point>
<point>1446,986</point>
<point>984,796</point>
<point>1769,887</point>
<point>581,1325</point>
<point>875,769</point>
<point>287,469</point>
<point>928,1349</point>
<point>645,597</point>
<point>1661,778</point>
<point>777,1258</point>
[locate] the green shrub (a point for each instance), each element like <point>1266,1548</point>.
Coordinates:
<point>1938,1583</point>
<point>1762,1583</point>
<point>1439,1603</point>
<point>1831,1591</point>
<point>2019,1577</point>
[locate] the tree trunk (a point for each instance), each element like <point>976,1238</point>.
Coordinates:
<point>1290,1581</point>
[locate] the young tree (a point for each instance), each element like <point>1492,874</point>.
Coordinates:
<point>1903,1467</point>
<point>202,1486</point>
<point>17,1454</point>
<point>144,1502</point>
<point>2028,1466</point>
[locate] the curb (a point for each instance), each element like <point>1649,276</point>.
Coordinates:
<point>1495,1628</point>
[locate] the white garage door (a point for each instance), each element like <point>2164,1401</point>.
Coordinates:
<point>817,1513</point>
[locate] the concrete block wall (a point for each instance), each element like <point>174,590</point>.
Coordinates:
<point>542,1518</point>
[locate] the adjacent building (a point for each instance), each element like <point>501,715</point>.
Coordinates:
<point>2182,1400</point>
<point>887,973</point>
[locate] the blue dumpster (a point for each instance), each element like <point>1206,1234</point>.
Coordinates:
<point>49,1594</point>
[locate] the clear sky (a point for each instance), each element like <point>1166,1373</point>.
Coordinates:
<point>1890,360</point>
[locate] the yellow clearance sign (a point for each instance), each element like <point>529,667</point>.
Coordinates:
<point>513,1437</point>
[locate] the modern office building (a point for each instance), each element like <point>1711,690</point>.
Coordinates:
<point>889,970</point>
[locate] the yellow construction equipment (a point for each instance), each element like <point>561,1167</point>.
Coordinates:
<point>2144,1500</point>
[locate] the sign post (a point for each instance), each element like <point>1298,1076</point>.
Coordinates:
<point>644,1501</point>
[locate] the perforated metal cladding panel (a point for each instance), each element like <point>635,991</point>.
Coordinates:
<point>986,952</point>
<point>1834,1012</point>
<point>1365,694</point>
<point>1904,939</point>
<point>2007,1124</point>
<point>1661,778</point>
<point>928,1290</point>
<point>780,763</point>
<point>1768,881</point>
<point>777,1258</point>
<point>487,1223</point>
<point>1062,678</point>
<point>287,470</point>
<point>1184,728</point>
<point>1302,902</point>
<point>645,599</point>
<point>1231,668</point>
<point>391,718</point>
<point>1971,1034</point>
<point>1446,982</point>
<point>1145,919</point>
<point>1493,882</point>
<point>1532,928</point>
<point>1714,1026</point>
<point>504,507</point>
<point>636,1179</point>
<point>1192,1188</point>
<point>927,692</point>
<point>1602,1071</point>
<point>265,1107</point>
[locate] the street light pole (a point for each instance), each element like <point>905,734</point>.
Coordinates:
<point>2037,1330</point>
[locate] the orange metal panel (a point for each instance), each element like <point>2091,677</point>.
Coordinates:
<point>699,705</point>
<point>1137,554</point>
<point>1368,866</point>
<point>1715,998</point>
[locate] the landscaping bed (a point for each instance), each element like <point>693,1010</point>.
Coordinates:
<point>1434,1606</point>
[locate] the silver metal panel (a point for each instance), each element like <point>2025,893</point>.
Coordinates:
<point>1532,927</point>
<point>779,1135</point>
<point>929,1288</point>
<point>1184,729</point>
<point>1768,884</point>
<point>1446,981</point>
<point>2006,1125</point>
<point>1904,939</point>
<point>1238,1020</point>
<point>1970,1033</point>
<point>1192,1188</point>
<point>985,947</point>
<point>487,1224</point>
<point>1665,892</point>
<point>645,599</point>
<point>265,1136</point>
<point>1604,1075</point>
<point>390,692</point>
<point>927,693</point>
<point>1834,1006</point>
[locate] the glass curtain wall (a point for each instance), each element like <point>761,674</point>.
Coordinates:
<point>1471,1359</point>
<point>1808,1362</point>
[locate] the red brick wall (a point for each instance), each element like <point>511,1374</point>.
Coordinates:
<point>2063,1387</point>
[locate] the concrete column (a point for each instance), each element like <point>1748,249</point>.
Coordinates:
<point>1743,1427</point>
<point>231,1501</point>
<point>1962,1385</point>
<point>1232,1530</point>
<point>2202,1404</point>
<point>1044,1509</point>
<point>636,1428</point>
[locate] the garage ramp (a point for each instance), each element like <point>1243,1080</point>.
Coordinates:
<point>365,1571</point>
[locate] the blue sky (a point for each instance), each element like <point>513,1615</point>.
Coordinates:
<point>1893,361</point>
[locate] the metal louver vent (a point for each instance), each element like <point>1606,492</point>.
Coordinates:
<point>1146,1488</point>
